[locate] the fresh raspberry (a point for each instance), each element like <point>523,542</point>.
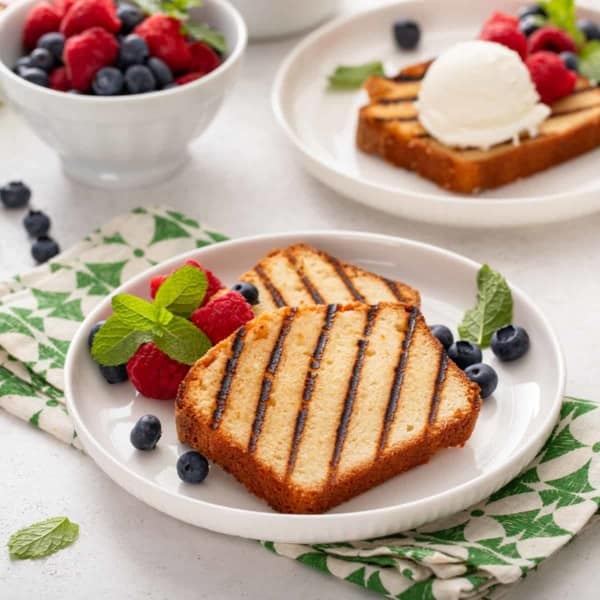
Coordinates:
<point>87,53</point>
<point>164,38</point>
<point>551,39</point>
<point>85,14</point>
<point>42,18</point>
<point>154,374</point>
<point>550,76</point>
<point>500,17</point>
<point>59,80</point>
<point>221,317</point>
<point>188,78</point>
<point>507,35</point>
<point>155,283</point>
<point>204,58</point>
<point>63,6</point>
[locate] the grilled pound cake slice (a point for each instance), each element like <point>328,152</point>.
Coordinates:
<point>310,406</point>
<point>389,127</point>
<point>301,275</point>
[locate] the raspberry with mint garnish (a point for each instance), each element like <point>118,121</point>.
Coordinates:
<point>550,76</point>
<point>551,39</point>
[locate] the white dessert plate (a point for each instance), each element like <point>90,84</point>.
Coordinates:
<point>321,124</point>
<point>512,427</point>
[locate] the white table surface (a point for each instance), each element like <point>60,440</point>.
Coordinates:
<point>244,180</point>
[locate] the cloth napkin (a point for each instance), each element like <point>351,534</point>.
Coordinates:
<point>474,554</point>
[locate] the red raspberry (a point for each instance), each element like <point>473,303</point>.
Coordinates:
<point>188,78</point>
<point>154,374</point>
<point>164,38</point>
<point>63,6</point>
<point>204,58</point>
<point>551,39</point>
<point>507,35</point>
<point>42,18</point>
<point>550,76</point>
<point>87,53</point>
<point>59,80</point>
<point>500,17</point>
<point>221,317</point>
<point>85,14</point>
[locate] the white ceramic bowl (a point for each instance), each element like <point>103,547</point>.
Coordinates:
<point>276,18</point>
<point>124,141</point>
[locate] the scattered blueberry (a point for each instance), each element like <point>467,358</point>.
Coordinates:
<point>139,80</point>
<point>192,467</point>
<point>407,34</point>
<point>484,376</point>
<point>146,433</point>
<point>116,374</point>
<point>530,24</point>
<point>108,81</point>
<point>42,59</point>
<point>571,60</point>
<point>15,194</point>
<point>533,9</point>
<point>130,17</point>
<point>34,75</point>
<point>161,71</point>
<point>22,63</point>
<point>590,29</point>
<point>443,334</point>
<point>510,342</point>
<point>465,353</point>
<point>133,51</point>
<point>53,42</point>
<point>44,248</point>
<point>247,290</point>
<point>36,223</point>
<point>93,331</point>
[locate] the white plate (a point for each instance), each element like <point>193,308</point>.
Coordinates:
<point>512,427</point>
<point>322,124</point>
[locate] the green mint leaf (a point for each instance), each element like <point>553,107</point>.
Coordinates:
<point>562,14</point>
<point>116,342</point>
<point>43,538</point>
<point>203,33</point>
<point>492,311</point>
<point>182,341</point>
<point>183,291</point>
<point>150,7</point>
<point>589,61</point>
<point>137,313</point>
<point>352,77</point>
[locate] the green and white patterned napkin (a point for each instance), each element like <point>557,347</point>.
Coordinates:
<point>474,554</point>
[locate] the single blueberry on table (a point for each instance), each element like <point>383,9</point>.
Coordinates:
<point>407,34</point>
<point>484,376</point>
<point>443,334</point>
<point>161,71</point>
<point>15,194</point>
<point>55,44</point>
<point>465,353</point>
<point>108,81</point>
<point>44,248</point>
<point>35,75</point>
<point>130,17</point>
<point>36,223</point>
<point>192,467</point>
<point>146,433</point>
<point>139,80</point>
<point>133,51</point>
<point>247,290</point>
<point>510,343</point>
<point>43,59</point>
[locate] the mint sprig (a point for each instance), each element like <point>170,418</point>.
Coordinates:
<point>589,61</point>
<point>182,341</point>
<point>183,291</point>
<point>494,308</point>
<point>43,538</point>
<point>352,77</point>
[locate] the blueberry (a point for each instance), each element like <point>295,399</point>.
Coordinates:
<point>93,331</point>
<point>53,42</point>
<point>161,71</point>
<point>146,433</point>
<point>42,59</point>
<point>465,353</point>
<point>36,223</point>
<point>108,81</point>
<point>407,34</point>
<point>530,24</point>
<point>116,374</point>
<point>510,342</point>
<point>133,51</point>
<point>34,75</point>
<point>139,80</point>
<point>589,29</point>
<point>443,334</point>
<point>22,63</point>
<point>484,376</point>
<point>130,17</point>
<point>532,10</point>
<point>571,60</point>
<point>247,290</point>
<point>44,248</point>
<point>170,86</point>
<point>15,194</point>
<point>192,467</point>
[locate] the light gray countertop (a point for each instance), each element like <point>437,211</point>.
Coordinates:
<point>244,180</point>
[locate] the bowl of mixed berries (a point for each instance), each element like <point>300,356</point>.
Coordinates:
<point>119,90</point>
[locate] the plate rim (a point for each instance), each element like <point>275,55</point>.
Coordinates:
<point>499,475</point>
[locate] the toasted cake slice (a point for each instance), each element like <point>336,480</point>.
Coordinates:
<point>389,127</point>
<point>301,275</point>
<point>311,406</point>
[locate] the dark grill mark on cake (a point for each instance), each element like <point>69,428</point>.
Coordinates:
<point>392,406</point>
<point>437,390</point>
<point>309,383</point>
<point>342,429</point>
<point>394,289</point>
<point>397,100</point>
<point>396,119</point>
<point>339,269</point>
<point>275,293</point>
<point>572,111</point>
<point>230,369</point>
<point>308,284</point>
<point>267,382</point>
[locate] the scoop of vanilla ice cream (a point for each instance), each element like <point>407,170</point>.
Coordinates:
<point>478,94</point>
